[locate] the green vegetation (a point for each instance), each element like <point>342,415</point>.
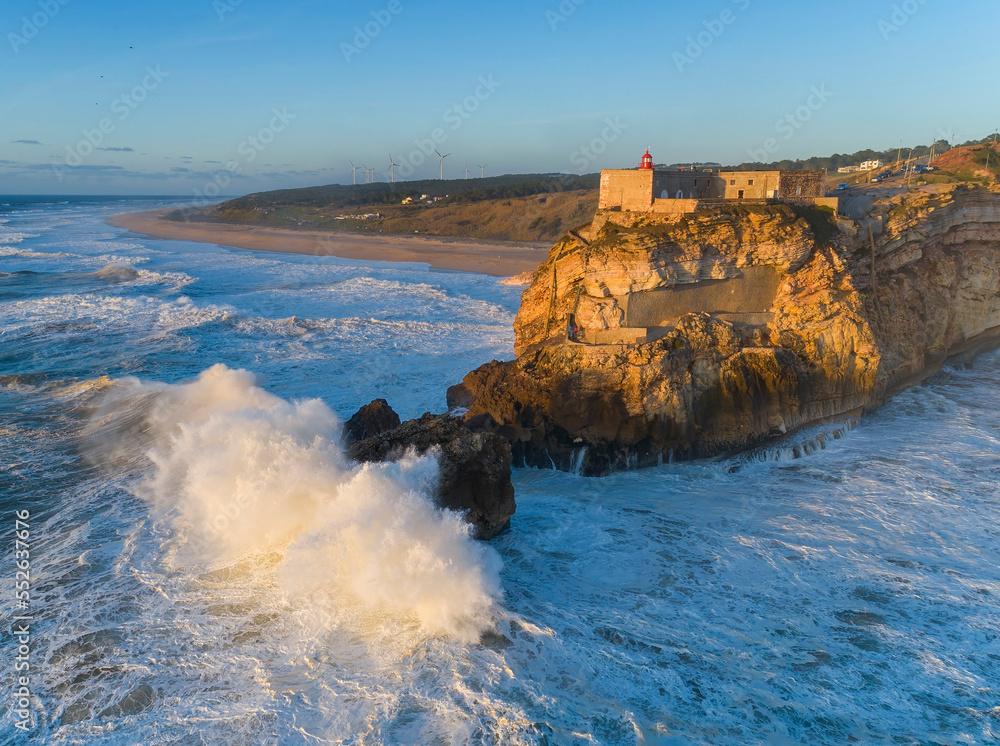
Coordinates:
<point>988,158</point>
<point>821,221</point>
<point>839,160</point>
<point>339,196</point>
<point>742,210</point>
<point>533,218</point>
<point>943,178</point>
<point>533,207</point>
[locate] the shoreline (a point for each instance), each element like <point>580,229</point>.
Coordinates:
<point>498,259</point>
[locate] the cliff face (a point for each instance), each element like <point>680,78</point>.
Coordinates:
<point>714,332</point>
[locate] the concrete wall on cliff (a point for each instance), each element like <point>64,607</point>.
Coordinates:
<point>753,292</point>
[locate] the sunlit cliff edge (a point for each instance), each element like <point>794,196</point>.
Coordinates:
<point>717,331</point>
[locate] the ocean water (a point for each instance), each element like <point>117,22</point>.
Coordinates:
<point>207,568</point>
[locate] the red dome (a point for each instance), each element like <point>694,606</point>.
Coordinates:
<point>647,160</point>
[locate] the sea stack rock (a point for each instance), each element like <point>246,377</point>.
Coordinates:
<point>475,466</point>
<point>648,336</point>
<point>371,420</point>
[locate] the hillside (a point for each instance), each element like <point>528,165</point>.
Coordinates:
<point>528,208</point>
<point>972,163</point>
<point>524,207</point>
<point>889,155</point>
<point>978,164</point>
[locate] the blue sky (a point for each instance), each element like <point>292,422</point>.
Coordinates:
<point>231,96</point>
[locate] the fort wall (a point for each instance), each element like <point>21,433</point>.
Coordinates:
<point>626,189</point>
<point>678,192</point>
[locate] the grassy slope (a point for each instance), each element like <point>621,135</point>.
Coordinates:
<point>965,163</point>
<point>531,208</point>
<point>541,217</point>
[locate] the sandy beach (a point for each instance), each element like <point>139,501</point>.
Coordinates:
<point>499,259</point>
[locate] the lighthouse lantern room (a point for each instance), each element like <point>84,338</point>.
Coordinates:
<point>647,161</point>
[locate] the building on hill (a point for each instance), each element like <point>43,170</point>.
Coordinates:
<point>871,165</point>
<point>651,189</point>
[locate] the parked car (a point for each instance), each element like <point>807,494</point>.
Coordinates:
<point>843,187</point>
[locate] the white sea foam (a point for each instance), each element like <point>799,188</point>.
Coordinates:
<point>120,273</point>
<point>15,252</point>
<point>15,237</point>
<point>143,314</point>
<point>237,470</point>
<point>116,273</point>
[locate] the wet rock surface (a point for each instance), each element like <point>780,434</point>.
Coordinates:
<point>475,466</point>
<point>371,420</point>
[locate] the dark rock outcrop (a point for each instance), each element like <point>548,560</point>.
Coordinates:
<point>371,420</point>
<point>475,467</point>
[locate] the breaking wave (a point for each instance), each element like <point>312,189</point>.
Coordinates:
<point>236,471</point>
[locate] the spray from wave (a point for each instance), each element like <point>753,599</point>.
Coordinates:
<point>235,471</point>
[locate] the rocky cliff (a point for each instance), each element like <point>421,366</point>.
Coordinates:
<point>474,475</point>
<point>718,331</point>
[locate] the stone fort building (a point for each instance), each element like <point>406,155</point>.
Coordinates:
<point>649,189</point>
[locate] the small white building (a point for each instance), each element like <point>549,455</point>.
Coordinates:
<point>848,169</point>
<point>871,165</point>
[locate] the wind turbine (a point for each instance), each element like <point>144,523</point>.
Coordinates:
<point>482,170</point>
<point>442,157</point>
<point>392,167</point>
<point>466,171</point>
<point>354,172</point>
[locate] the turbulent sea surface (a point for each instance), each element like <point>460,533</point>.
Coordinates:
<point>206,568</point>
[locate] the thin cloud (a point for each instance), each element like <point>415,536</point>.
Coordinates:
<point>117,150</point>
<point>69,169</point>
<point>27,142</point>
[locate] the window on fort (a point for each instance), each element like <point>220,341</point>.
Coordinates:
<point>798,192</point>
<point>749,182</point>
<point>732,182</point>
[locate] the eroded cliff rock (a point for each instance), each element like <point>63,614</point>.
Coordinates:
<point>718,331</point>
<point>372,419</point>
<point>475,466</point>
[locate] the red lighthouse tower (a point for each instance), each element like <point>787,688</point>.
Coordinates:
<point>647,161</point>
